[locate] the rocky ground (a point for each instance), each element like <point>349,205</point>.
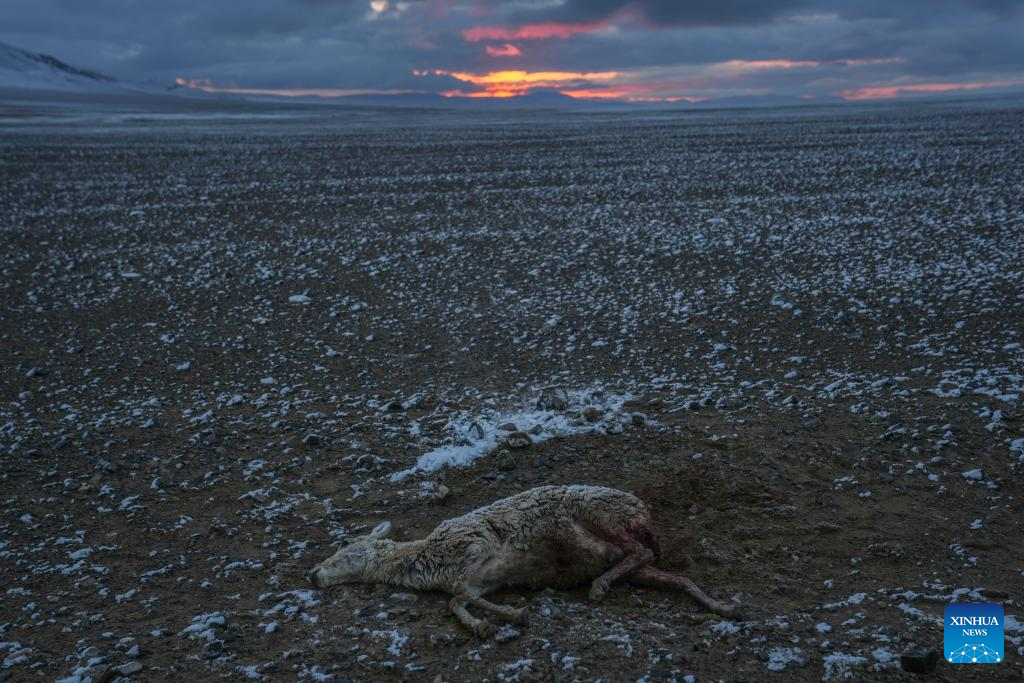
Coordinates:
<point>227,345</point>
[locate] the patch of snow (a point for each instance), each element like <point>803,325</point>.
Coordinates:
<point>478,434</point>
<point>781,657</point>
<point>725,628</point>
<point>838,666</point>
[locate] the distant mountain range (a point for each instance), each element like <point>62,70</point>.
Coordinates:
<point>22,70</point>
<point>23,67</point>
<point>35,71</point>
<point>548,99</point>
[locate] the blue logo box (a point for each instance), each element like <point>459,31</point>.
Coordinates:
<point>973,633</point>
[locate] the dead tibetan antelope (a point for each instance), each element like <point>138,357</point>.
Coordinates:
<point>551,536</point>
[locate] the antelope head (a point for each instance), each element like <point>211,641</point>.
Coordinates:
<point>353,561</point>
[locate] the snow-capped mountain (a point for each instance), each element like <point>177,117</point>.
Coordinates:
<point>32,70</point>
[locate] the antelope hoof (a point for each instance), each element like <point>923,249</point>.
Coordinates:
<point>483,629</point>
<point>597,592</point>
<point>733,611</point>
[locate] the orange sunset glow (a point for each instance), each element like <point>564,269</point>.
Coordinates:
<point>513,83</point>
<point>626,86</point>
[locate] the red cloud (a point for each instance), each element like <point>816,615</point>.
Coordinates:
<point>892,91</point>
<point>771,64</point>
<point>195,83</point>
<point>506,50</point>
<point>551,29</point>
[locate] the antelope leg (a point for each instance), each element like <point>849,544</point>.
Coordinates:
<point>649,576</point>
<point>504,611</point>
<point>480,627</point>
<point>637,556</point>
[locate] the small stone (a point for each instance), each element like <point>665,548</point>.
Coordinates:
<point>129,668</point>
<point>974,475</point>
<point>919,660</point>
<point>506,463</point>
<point>475,432</point>
<point>638,419</point>
<point>311,440</point>
<point>150,423</point>
<point>508,427</point>
<point>440,493</point>
<point>536,430</point>
<point>518,440</point>
<point>97,672</point>
<point>224,635</point>
<point>35,372</point>
<point>213,649</point>
<point>812,423</point>
<point>592,414</point>
<point>394,407</point>
<point>553,398</point>
<point>728,403</point>
<point>613,428</point>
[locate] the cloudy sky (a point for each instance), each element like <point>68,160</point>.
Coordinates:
<point>635,50</point>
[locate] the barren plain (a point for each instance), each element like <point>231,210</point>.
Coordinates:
<point>229,341</point>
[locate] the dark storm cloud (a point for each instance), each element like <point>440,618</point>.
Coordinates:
<point>671,12</point>
<point>706,48</point>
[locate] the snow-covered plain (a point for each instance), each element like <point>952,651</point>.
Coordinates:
<point>231,342</point>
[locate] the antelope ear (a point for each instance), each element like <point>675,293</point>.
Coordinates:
<point>382,530</point>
